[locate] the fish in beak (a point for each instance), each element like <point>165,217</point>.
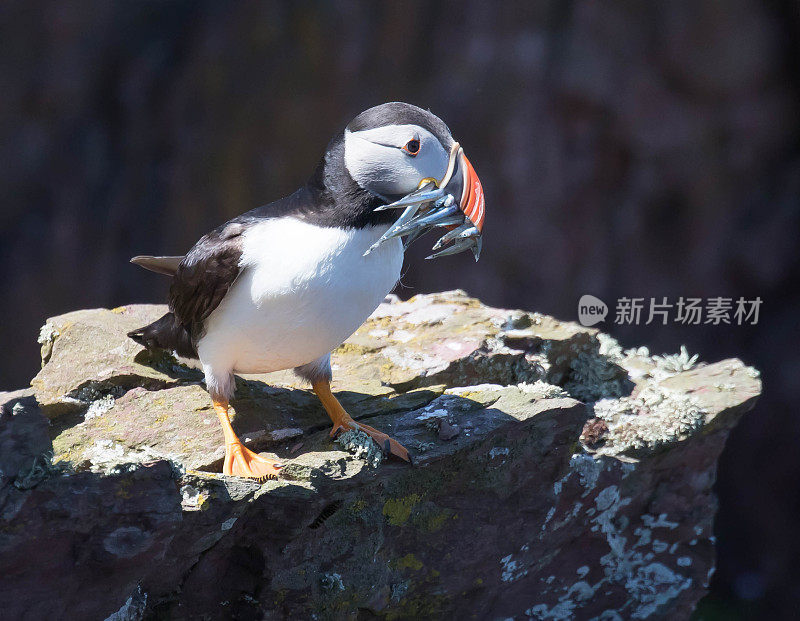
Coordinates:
<point>434,205</point>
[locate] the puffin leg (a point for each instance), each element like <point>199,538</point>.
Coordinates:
<point>240,461</point>
<point>342,422</point>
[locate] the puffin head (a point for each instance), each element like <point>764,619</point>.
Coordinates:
<point>407,157</point>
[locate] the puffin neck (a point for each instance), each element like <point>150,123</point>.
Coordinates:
<point>345,203</point>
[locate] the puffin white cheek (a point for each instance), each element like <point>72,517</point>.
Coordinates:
<point>375,167</point>
<point>389,170</point>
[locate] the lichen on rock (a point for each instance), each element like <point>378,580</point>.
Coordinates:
<point>41,467</point>
<point>361,446</point>
<point>47,336</point>
<point>671,364</point>
<point>656,416</point>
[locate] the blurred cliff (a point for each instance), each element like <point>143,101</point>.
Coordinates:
<point>626,149</point>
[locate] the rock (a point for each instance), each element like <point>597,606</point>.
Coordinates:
<point>448,431</point>
<point>24,434</point>
<point>86,353</point>
<point>523,501</point>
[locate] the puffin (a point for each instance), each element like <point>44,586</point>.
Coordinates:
<point>283,285</point>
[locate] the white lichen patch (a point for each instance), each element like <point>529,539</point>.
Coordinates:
<point>636,361</point>
<point>99,407</point>
<point>402,336</point>
<point>610,347</point>
<point>192,499</point>
<point>560,612</point>
<point>133,608</point>
<point>659,547</point>
<point>412,360</point>
<point>672,364</point>
<point>447,406</point>
<point>543,390</point>
<point>649,583</point>
<point>111,457</point>
<point>567,518</point>
<point>361,446</point>
<point>510,569</point>
<point>47,334</point>
<point>658,522</point>
<point>437,413</point>
<point>752,372</point>
<point>550,513</point>
<point>331,582</point>
<point>419,310</point>
<point>652,586</point>
<point>429,315</point>
<point>586,467</point>
<point>94,394</point>
<point>654,417</point>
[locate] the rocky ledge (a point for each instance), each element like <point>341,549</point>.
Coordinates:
<point>554,475</point>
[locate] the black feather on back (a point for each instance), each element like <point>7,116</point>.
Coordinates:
<point>205,275</point>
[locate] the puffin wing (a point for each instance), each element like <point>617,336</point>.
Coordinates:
<point>206,274</point>
<point>161,265</point>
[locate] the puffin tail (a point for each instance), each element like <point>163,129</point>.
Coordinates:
<point>166,333</point>
<point>161,265</point>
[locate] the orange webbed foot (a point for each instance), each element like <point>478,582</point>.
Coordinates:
<point>389,445</point>
<point>240,461</point>
<point>342,421</point>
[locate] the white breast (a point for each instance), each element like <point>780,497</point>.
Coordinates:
<point>302,291</point>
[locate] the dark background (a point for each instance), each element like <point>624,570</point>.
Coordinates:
<point>626,149</point>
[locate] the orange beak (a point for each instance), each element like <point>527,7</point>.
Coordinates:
<point>472,201</point>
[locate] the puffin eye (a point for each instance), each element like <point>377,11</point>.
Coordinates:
<point>411,147</point>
